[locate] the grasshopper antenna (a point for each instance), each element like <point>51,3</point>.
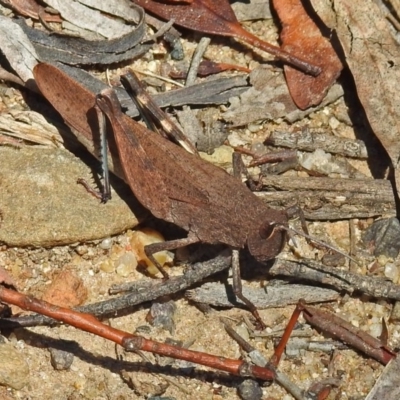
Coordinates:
<point>312,239</point>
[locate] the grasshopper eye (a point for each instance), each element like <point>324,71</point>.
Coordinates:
<point>266,230</point>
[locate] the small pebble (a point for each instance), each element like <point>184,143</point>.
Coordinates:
<point>126,264</point>
<point>258,148</point>
<point>375,330</point>
<point>243,332</point>
<point>333,123</point>
<point>143,329</point>
<point>253,128</point>
<point>250,390</point>
<point>81,250</point>
<point>107,266</point>
<point>391,272</point>
<point>61,359</point>
<point>106,244</point>
<point>162,315</point>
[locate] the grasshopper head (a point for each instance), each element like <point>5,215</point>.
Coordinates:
<point>267,241</point>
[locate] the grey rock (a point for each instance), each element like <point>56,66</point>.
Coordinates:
<point>14,370</point>
<point>250,390</point>
<point>61,359</point>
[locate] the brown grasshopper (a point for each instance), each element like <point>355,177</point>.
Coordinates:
<point>176,186</point>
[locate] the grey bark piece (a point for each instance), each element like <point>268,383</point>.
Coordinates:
<point>253,10</point>
<point>271,296</point>
<point>190,125</point>
<point>42,205</point>
<point>387,386</point>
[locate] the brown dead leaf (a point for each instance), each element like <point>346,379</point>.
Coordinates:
<point>66,290</point>
<point>373,57</point>
<point>301,36</point>
<point>218,18</point>
<point>31,9</point>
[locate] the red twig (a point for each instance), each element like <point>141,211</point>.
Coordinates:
<point>89,323</point>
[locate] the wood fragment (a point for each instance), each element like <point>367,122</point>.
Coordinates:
<point>341,280</point>
<point>331,199</point>
<point>261,361</point>
<point>219,295</point>
<point>307,140</point>
<point>196,60</point>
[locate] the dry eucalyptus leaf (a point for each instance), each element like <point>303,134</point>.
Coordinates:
<point>17,48</point>
<point>122,9</point>
<point>90,19</point>
<point>373,56</point>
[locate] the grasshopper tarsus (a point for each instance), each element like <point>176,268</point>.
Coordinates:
<point>238,290</point>
<point>100,195</point>
<point>105,197</point>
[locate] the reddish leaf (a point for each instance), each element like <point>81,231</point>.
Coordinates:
<point>208,67</point>
<point>218,18</point>
<point>31,9</point>
<point>301,36</point>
